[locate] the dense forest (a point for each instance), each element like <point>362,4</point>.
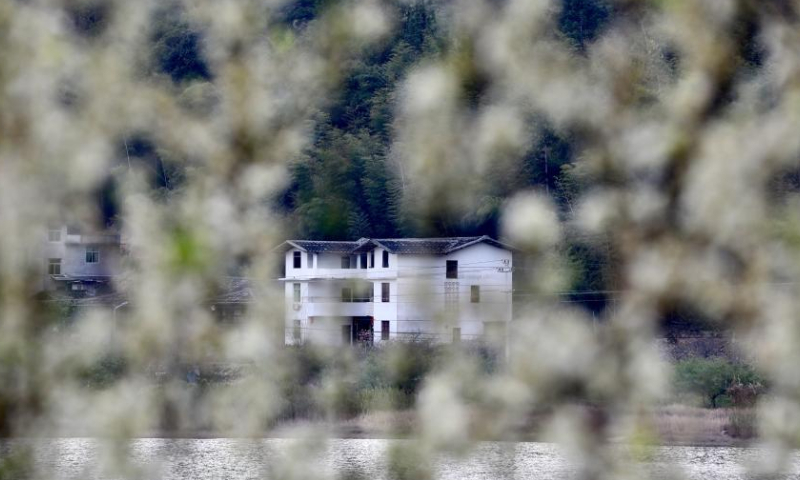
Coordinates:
<point>345,187</point>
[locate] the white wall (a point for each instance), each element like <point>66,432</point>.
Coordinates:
<point>421,289</point>
<point>72,252</point>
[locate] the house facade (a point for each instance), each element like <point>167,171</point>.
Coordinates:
<point>78,262</point>
<point>374,290</point>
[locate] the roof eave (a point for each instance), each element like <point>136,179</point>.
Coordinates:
<point>483,239</point>
<point>288,243</point>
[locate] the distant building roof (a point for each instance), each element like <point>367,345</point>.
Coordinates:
<point>314,246</point>
<point>231,290</point>
<point>82,278</point>
<point>418,246</point>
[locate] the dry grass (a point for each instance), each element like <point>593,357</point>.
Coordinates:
<point>680,424</point>
<point>380,424</point>
<point>674,424</point>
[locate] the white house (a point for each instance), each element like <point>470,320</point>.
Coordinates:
<point>373,290</point>
<point>79,262</point>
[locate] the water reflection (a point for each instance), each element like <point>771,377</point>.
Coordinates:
<point>206,459</point>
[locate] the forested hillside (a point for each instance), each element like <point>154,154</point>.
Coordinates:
<point>346,185</point>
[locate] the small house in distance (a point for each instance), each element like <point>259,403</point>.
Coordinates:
<point>373,290</point>
<point>80,263</point>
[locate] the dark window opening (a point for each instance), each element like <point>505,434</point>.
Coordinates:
<point>475,294</point>
<point>346,262</point>
<point>363,260</point>
<point>452,269</point>
<point>385,330</point>
<point>372,259</point>
<point>385,292</point>
<point>385,259</point>
<point>298,259</point>
<point>54,266</point>
<point>92,255</point>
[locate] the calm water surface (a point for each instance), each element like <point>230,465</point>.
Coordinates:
<point>206,459</point>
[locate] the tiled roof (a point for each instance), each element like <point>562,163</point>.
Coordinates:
<point>419,246</point>
<point>436,246</point>
<point>314,246</point>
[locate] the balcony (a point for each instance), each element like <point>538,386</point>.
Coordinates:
<point>327,307</point>
<point>339,274</point>
<point>93,239</point>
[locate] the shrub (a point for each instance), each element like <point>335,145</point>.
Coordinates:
<point>718,381</point>
<point>386,398</point>
<point>103,373</point>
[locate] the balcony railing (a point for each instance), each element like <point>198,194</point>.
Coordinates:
<point>93,239</point>
<point>340,274</point>
<point>332,308</point>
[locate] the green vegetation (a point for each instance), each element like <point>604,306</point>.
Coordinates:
<point>718,381</point>
<point>376,378</point>
<point>17,464</point>
<point>104,372</point>
<point>346,185</point>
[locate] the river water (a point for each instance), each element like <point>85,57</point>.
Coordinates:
<point>351,459</point>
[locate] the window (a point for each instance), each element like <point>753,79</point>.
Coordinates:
<point>345,261</point>
<point>347,294</point>
<point>385,259</point>
<point>364,260</point>
<point>475,294</point>
<point>372,259</point>
<point>296,330</point>
<point>385,330</point>
<point>92,255</point>
<point>296,287</point>
<point>54,235</point>
<point>385,292</point>
<point>452,269</point>
<point>310,263</point>
<point>54,266</point>
<point>456,334</point>
<point>298,259</point>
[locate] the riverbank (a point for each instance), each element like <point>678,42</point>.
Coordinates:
<point>674,425</point>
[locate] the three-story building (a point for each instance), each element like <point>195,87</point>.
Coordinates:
<point>447,289</point>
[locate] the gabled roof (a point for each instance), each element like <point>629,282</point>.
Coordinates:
<point>316,246</point>
<point>413,246</point>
